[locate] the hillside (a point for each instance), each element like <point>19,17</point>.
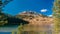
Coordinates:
<point>34,17</point>
<point>37,22</point>
<point>9,20</point>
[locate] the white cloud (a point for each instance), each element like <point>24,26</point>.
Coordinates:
<point>50,15</point>
<point>43,10</point>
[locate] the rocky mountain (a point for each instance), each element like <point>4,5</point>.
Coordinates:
<point>28,14</point>
<point>37,22</point>
<point>32,16</point>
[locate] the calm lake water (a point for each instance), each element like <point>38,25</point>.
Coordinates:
<point>8,29</point>
<point>5,32</point>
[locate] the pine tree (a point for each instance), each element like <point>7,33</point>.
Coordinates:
<point>56,16</point>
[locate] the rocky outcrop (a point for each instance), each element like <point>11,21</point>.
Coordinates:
<point>35,18</point>
<point>37,22</point>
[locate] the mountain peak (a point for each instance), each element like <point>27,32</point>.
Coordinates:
<point>29,13</point>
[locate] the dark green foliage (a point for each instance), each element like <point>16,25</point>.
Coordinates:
<point>56,16</point>
<point>15,21</point>
<point>3,19</point>
<point>11,21</point>
<point>0,2</point>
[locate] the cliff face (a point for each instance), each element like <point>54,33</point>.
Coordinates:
<point>37,22</point>
<point>35,18</point>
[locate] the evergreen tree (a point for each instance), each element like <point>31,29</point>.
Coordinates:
<point>3,17</point>
<point>56,16</point>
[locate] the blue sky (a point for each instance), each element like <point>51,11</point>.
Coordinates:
<point>17,6</point>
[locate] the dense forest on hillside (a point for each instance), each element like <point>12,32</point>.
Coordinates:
<point>6,20</point>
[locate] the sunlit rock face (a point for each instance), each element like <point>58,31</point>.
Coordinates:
<point>35,18</point>
<point>37,22</point>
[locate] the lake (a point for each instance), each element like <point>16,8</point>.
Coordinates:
<point>5,32</point>
<point>8,29</point>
